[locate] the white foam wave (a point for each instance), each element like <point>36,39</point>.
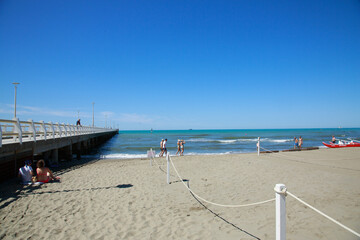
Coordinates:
<point>199,140</point>
<point>122,156</point>
<point>226,141</point>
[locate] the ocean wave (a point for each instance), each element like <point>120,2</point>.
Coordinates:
<point>122,156</point>
<point>232,141</point>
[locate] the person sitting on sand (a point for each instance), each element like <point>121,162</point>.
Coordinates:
<point>296,143</point>
<point>44,174</point>
<point>26,173</point>
<point>182,142</point>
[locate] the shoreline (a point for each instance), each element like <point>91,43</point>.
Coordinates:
<point>129,199</point>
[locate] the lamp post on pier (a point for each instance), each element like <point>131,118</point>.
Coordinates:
<point>15,84</point>
<point>93,113</point>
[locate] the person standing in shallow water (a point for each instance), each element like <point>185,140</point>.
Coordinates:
<point>161,148</point>
<point>178,147</point>
<point>300,142</point>
<point>164,147</point>
<point>182,142</point>
<point>296,143</point>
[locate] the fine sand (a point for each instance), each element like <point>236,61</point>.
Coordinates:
<point>129,199</point>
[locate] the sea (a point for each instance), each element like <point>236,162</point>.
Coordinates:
<point>135,144</point>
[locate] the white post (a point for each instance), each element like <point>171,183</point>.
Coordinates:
<point>168,167</point>
<point>43,129</point>
<point>150,155</point>
<point>258,146</point>
<point>32,128</point>
<point>17,129</point>
<point>52,129</point>
<point>280,195</point>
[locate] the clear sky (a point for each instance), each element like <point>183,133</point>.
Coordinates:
<point>182,64</point>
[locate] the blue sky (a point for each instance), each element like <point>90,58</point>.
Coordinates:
<point>182,64</point>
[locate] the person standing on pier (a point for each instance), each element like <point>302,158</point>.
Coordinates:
<point>78,123</point>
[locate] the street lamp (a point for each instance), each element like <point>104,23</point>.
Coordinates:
<point>93,112</point>
<point>15,84</point>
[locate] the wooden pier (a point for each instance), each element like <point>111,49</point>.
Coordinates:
<point>24,140</point>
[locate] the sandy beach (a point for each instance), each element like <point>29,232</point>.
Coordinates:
<point>129,199</point>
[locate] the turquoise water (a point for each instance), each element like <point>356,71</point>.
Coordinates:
<point>134,144</point>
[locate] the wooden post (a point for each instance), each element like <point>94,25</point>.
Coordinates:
<point>280,194</point>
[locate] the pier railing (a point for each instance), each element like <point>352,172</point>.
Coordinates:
<point>12,131</point>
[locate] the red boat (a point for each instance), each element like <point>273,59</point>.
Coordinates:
<point>342,144</point>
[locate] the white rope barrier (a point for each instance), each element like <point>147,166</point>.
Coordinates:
<point>323,214</point>
<point>217,204</point>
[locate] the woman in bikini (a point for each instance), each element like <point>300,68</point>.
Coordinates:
<point>44,174</point>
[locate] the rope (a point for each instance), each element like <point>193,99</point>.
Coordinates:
<point>323,214</point>
<point>288,158</point>
<point>217,204</point>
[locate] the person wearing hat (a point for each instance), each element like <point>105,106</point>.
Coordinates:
<point>26,173</point>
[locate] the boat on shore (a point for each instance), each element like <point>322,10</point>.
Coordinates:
<point>342,144</point>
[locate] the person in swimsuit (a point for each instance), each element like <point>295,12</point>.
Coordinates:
<point>164,146</point>
<point>300,142</point>
<point>182,142</point>
<point>296,143</point>
<point>44,174</point>
<point>161,148</point>
<point>333,140</point>
<point>178,147</point>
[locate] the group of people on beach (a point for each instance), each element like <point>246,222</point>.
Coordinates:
<point>43,174</point>
<point>163,149</point>
<point>298,142</point>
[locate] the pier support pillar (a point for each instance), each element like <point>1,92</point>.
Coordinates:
<point>66,153</point>
<point>78,150</point>
<point>54,157</point>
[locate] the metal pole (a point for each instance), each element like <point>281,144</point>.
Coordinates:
<point>93,113</point>
<point>280,195</point>
<point>258,146</point>
<point>15,84</point>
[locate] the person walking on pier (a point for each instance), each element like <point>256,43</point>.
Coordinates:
<point>78,123</point>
